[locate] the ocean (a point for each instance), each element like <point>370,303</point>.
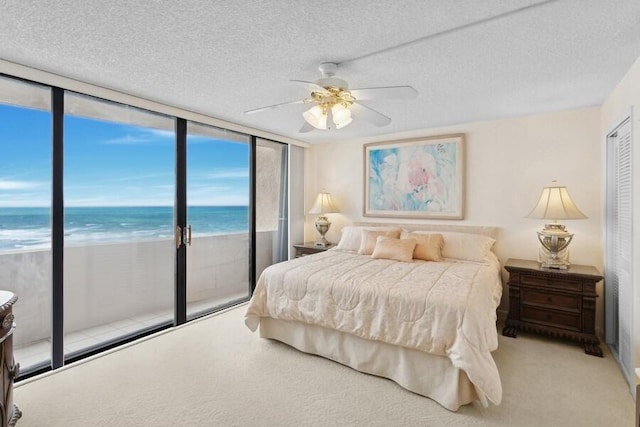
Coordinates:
<point>29,228</point>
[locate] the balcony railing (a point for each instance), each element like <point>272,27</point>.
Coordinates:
<point>114,290</point>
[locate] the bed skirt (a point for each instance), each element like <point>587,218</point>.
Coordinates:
<point>429,375</point>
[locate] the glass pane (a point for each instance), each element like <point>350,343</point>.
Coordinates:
<point>217,211</point>
<point>119,190</point>
<point>25,216</point>
<point>271,204</point>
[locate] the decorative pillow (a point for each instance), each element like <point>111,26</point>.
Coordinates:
<point>352,236</point>
<point>428,246</point>
<point>393,248</point>
<point>466,246</point>
<point>350,239</point>
<point>368,241</point>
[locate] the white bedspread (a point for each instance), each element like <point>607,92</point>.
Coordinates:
<point>445,308</point>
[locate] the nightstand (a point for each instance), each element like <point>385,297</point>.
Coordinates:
<point>309,248</point>
<point>559,303</point>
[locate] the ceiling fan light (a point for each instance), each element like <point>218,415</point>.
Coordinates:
<point>344,123</point>
<point>316,117</point>
<point>341,116</point>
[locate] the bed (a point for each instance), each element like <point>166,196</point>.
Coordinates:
<point>413,304</point>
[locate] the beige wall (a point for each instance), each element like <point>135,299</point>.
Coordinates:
<point>624,99</point>
<point>507,164</point>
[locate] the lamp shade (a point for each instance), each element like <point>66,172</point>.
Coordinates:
<point>323,204</point>
<point>341,116</point>
<point>316,117</point>
<point>555,204</point>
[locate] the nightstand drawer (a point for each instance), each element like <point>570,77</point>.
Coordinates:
<point>300,252</point>
<point>552,282</point>
<point>551,300</point>
<point>304,249</point>
<point>571,321</point>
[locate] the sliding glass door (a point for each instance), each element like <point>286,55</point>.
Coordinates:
<point>119,191</point>
<point>217,224</point>
<point>116,221</point>
<point>272,209</point>
<point>25,215</point>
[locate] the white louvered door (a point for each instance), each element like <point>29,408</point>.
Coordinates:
<point>618,268</point>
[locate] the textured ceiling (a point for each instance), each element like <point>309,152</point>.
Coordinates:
<point>470,60</point>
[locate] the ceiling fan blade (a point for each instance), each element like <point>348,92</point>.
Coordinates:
<point>391,92</point>
<point>372,116</point>
<point>271,107</point>
<point>306,127</point>
<point>310,86</point>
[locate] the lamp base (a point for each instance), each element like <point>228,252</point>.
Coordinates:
<point>553,266</point>
<point>554,260</point>
<point>322,225</point>
<point>554,241</point>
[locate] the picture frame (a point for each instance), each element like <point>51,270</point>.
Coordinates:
<point>416,178</point>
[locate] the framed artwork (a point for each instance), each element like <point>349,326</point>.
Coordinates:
<point>417,178</point>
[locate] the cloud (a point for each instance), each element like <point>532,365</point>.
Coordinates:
<point>18,185</point>
<point>162,133</point>
<point>232,173</point>
<point>143,136</point>
<point>128,140</point>
<point>152,176</point>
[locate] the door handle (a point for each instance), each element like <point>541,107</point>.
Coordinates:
<point>178,237</point>
<point>187,235</point>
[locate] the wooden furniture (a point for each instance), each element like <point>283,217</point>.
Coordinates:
<point>638,405</point>
<point>304,249</point>
<point>560,303</point>
<point>9,413</point>
<point>638,399</point>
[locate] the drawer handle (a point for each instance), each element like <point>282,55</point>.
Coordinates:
<point>8,321</point>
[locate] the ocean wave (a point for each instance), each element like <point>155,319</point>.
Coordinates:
<point>29,228</point>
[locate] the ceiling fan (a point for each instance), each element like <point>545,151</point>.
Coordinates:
<point>335,105</point>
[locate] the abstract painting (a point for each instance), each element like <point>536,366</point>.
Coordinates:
<point>419,178</point>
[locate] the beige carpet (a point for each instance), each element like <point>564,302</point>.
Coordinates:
<point>215,372</point>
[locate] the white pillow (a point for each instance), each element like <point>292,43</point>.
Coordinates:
<point>464,246</point>
<point>352,236</point>
<point>350,239</point>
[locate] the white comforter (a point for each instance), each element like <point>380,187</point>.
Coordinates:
<point>444,308</point>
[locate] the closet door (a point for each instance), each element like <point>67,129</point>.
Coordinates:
<point>619,249</point>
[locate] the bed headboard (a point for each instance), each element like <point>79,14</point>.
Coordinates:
<point>475,229</point>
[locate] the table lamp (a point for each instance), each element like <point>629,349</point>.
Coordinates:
<point>555,204</point>
<point>322,206</point>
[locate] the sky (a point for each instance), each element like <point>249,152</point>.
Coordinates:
<point>114,164</point>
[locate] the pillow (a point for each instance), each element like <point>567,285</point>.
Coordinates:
<point>352,236</point>
<point>350,239</point>
<point>368,241</point>
<point>464,246</point>
<point>396,249</point>
<point>428,246</point>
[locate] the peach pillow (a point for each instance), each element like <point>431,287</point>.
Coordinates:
<point>428,246</point>
<point>396,249</point>
<point>368,241</point>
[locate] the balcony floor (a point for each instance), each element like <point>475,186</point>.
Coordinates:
<point>38,353</point>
